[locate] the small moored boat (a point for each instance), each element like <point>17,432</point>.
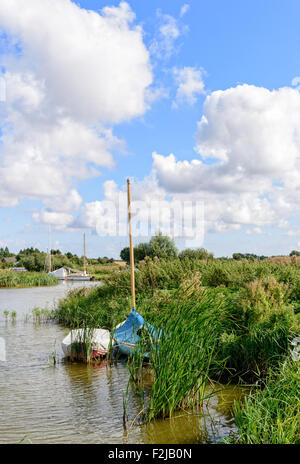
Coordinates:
<point>82,343</point>
<point>127,334</point>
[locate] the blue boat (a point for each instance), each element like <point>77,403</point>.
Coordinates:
<point>128,334</point>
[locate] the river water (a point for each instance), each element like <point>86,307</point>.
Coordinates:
<point>43,402</point>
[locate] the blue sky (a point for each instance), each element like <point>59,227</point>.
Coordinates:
<point>90,101</point>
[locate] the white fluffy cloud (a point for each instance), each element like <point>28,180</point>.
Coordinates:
<point>79,73</point>
<point>189,85</point>
<point>165,43</point>
<point>196,176</point>
<point>252,129</point>
<point>251,137</point>
<point>94,66</point>
<point>59,220</point>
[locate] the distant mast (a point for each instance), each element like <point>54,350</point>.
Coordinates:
<point>84,260</point>
<point>49,250</point>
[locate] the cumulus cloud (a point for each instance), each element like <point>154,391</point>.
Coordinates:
<point>70,74</point>
<point>251,128</point>
<point>152,210</point>
<point>59,220</point>
<point>95,66</point>
<point>247,174</point>
<point>184,9</point>
<point>192,176</point>
<point>248,140</point>
<point>189,85</point>
<point>170,29</point>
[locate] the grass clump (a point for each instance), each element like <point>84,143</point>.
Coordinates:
<point>98,307</point>
<point>271,415</point>
<point>263,323</point>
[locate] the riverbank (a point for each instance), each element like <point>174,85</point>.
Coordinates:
<point>11,279</point>
<point>271,414</point>
<point>224,321</point>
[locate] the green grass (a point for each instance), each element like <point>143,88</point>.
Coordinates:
<point>271,415</point>
<point>11,279</point>
<point>96,307</point>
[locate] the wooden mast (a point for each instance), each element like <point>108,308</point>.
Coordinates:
<point>131,247</point>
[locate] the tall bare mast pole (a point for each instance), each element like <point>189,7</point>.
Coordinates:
<point>49,255</point>
<point>84,259</point>
<point>131,247</point>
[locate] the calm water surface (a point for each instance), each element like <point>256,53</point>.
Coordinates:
<point>76,403</point>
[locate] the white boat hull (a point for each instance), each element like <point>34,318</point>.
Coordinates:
<point>98,339</point>
<point>78,278</point>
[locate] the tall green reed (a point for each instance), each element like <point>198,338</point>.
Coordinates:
<point>10,279</point>
<point>181,363</point>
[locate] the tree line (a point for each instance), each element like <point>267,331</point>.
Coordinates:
<point>162,246</point>
<point>35,260</point>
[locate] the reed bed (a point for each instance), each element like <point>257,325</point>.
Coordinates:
<point>221,320</point>
<point>11,279</point>
<point>182,362</point>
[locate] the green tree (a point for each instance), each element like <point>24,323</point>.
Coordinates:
<point>55,252</point>
<point>6,252</point>
<point>163,246</point>
<point>125,255</point>
<point>143,250</point>
<point>29,251</point>
<point>295,253</point>
<point>35,262</point>
<point>160,245</point>
<point>139,252</point>
<point>199,253</point>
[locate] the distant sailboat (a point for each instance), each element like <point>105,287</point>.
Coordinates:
<point>48,263</point>
<point>65,272</point>
<point>80,276</point>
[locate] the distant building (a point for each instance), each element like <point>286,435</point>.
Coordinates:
<point>9,260</point>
